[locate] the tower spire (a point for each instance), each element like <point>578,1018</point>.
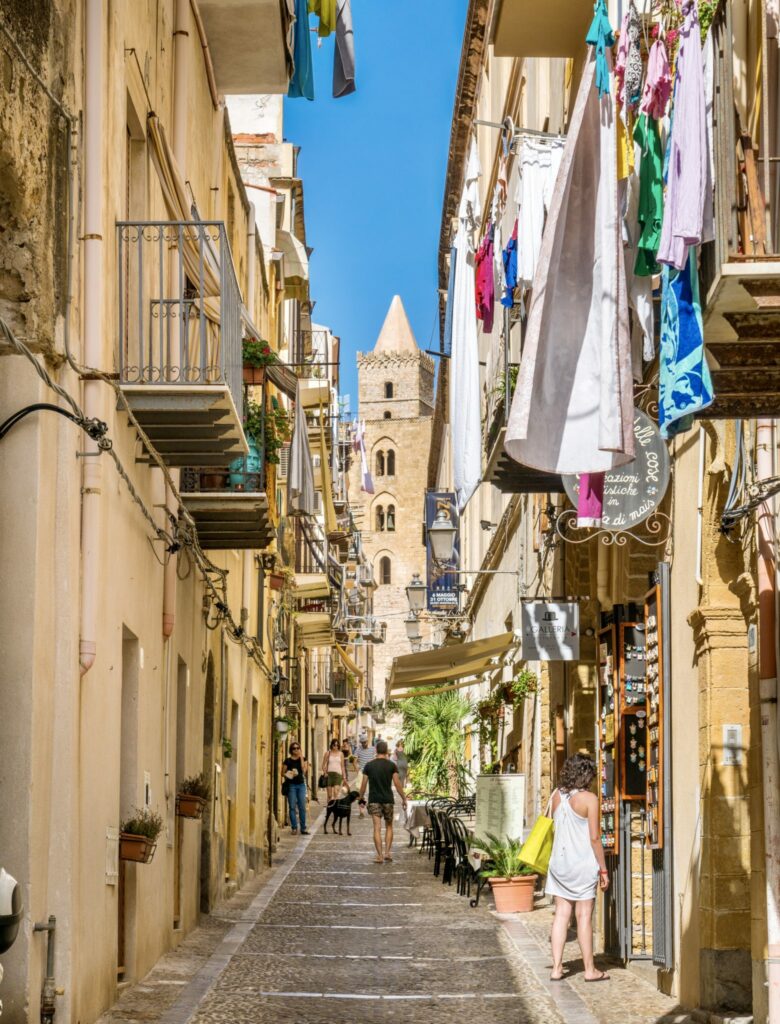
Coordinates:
<point>396,334</point>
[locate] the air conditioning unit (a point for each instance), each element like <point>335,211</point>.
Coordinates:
<point>284,461</point>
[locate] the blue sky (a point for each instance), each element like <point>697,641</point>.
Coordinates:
<point>373,167</point>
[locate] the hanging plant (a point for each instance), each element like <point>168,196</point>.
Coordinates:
<point>277,430</point>
<point>523,685</point>
<point>258,353</point>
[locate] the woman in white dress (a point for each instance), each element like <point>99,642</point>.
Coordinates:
<point>577,866</point>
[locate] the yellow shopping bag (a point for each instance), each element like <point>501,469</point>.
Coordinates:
<point>537,848</point>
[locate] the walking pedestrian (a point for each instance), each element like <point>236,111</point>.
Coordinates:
<point>401,762</point>
<point>577,865</point>
<point>363,755</point>
<point>349,760</point>
<point>380,775</point>
<point>334,766</point>
<point>294,769</point>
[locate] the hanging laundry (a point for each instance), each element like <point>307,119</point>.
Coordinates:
<point>537,171</point>
<point>484,282</point>
<point>300,478</point>
<point>640,289</point>
<point>601,37</point>
<point>344,52</point>
<point>658,84</point>
<point>464,362</point>
<point>708,62</point>
<point>685,384</point>
<point>628,63</point>
<point>509,260</point>
<point>326,11</point>
<point>688,153</point>
<point>367,484</point>
<point>590,500</point>
<point>447,340</point>
<point>651,195</point>
<point>572,410</point>
<point>302,81</point>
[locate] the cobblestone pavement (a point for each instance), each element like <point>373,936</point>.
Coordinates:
<point>330,936</point>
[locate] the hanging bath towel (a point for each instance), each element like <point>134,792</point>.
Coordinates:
<point>685,384</point>
<point>573,406</point>
<point>302,81</point>
<point>344,52</point>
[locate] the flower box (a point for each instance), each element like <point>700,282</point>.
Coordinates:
<point>189,806</point>
<point>253,374</point>
<point>136,848</point>
<point>514,895</point>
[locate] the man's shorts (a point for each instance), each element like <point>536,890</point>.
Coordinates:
<point>385,811</point>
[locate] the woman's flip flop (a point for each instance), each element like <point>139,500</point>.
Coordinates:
<point>602,977</point>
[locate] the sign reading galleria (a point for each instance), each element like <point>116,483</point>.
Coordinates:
<point>633,492</point>
<point>550,630</point>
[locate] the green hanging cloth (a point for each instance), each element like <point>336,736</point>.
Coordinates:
<point>651,195</point>
<point>326,12</point>
<point>600,35</point>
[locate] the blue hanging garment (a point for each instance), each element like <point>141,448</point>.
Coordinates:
<point>302,81</point>
<point>600,35</point>
<point>685,385</point>
<point>509,258</point>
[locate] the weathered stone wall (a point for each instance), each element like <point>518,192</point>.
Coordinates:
<point>412,378</point>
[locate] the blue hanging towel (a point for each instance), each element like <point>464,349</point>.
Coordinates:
<point>685,385</point>
<point>302,81</point>
<point>600,35</point>
<point>509,258</point>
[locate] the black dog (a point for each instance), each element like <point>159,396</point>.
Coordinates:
<point>341,809</point>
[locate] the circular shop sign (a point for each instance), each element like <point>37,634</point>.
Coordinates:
<point>634,491</point>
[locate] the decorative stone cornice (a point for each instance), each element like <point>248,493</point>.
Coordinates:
<point>716,627</point>
<point>380,359</point>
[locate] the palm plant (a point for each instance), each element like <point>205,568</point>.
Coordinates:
<point>503,855</point>
<point>435,742</point>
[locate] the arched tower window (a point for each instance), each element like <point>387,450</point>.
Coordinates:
<point>391,518</point>
<point>380,463</point>
<point>388,389</point>
<point>390,463</point>
<point>385,571</point>
<point>388,414</point>
<point>379,518</point>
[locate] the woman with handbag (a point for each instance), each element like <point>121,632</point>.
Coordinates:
<point>577,865</point>
<point>335,769</point>
<point>294,769</point>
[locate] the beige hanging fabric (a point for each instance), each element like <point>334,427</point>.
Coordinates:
<point>331,523</point>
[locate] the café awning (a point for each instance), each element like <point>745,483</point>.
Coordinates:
<point>430,668</point>
<point>295,263</point>
<point>349,664</point>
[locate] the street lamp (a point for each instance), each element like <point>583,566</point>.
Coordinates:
<point>441,534</point>
<point>415,594</point>
<point>413,631</point>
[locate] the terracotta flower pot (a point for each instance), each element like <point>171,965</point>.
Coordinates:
<point>514,895</point>
<point>135,848</point>
<point>189,806</point>
<point>277,581</point>
<point>253,374</point>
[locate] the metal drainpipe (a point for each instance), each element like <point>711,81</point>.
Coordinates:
<point>49,992</point>
<point>767,613</point>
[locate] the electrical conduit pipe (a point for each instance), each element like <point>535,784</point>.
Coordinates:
<point>767,663</point>
<point>181,68</point>
<point>92,470</point>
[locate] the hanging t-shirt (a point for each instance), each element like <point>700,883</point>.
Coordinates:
<point>484,281</point>
<point>509,258</point>
<point>651,195</point>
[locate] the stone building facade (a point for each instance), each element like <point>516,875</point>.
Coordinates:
<point>395,395</point>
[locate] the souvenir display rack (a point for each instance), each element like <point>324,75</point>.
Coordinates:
<point>608,720</point>
<point>633,743</point>
<point>654,635</point>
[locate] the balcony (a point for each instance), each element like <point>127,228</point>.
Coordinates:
<point>230,505</point>
<point>741,268</point>
<point>501,470</point>
<point>180,339</point>
<point>524,28</point>
<point>249,42</point>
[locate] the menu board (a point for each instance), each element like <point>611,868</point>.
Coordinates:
<point>500,806</point>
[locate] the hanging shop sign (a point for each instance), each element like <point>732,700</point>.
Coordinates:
<point>632,492</point>
<point>442,578</point>
<point>551,630</point>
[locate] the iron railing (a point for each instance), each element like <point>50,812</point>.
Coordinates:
<point>179,305</point>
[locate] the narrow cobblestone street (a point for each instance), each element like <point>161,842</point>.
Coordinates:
<point>330,936</point>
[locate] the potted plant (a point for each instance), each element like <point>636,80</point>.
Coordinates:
<point>284,723</point>
<point>256,356</point>
<point>192,796</point>
<point>511,881</point>
<point>524,684</point>
<point>246,469</point>
<point>138,835</point>
<point>276,430</point>
<point>227,747</point>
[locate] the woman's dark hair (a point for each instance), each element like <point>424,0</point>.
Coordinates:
<point>577,773</point>
<point>335,743</point>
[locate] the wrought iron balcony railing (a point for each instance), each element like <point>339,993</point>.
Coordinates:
<point>179,306</point>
